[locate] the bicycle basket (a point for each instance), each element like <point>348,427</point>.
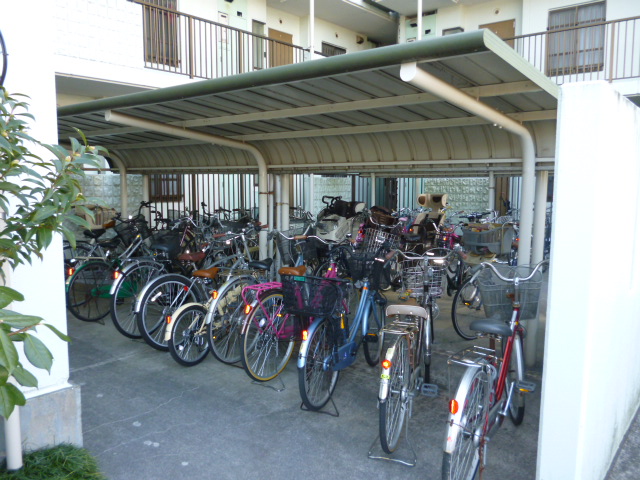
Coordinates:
<point>287,248</point>
<point>374,240</point>
<point>126,232</point>
<point>486,236</point>
<point>497,294</point>
<point>425,273</point>
<point>365,265</point>
<point>312,296</point>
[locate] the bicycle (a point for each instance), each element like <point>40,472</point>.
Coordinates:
<point>492,386</point>
<point>331,344</point>
<point>269,330</point>
<point>406,368</point>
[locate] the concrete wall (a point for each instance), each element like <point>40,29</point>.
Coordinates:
<point>468,194</point>
<point>30,71</point>
<point>591,384</point>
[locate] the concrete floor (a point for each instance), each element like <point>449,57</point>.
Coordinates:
<point>146,417</point>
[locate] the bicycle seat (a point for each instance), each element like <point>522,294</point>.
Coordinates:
<point>296,271</point>
<point>94,233</point>
<point>111,243</point>
<point>486,325</point>
<point>192,257</point>
<point>210,273</point>
<point>407,310</point>
<point>261,264</point>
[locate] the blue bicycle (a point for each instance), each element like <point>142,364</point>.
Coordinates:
<point>331,344</point>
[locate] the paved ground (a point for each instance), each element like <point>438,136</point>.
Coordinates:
<point>146,417</point>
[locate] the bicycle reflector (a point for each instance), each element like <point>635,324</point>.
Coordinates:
<point>117,274</point>
<point>168,318</point>
<point>453,406</point>
<point>305,335</point>
<point>70,271</point>
<point>386,364</point>
<point>247,309</point>
<point>214,294</point>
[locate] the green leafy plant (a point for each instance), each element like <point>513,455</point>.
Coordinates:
<point>36,197</point>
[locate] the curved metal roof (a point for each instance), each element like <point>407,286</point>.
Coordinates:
<point>348,113</point>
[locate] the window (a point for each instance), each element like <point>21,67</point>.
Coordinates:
<point>329,50</point>
<point>165,187</point>
<point>573,46</point>
<point>161,33</point>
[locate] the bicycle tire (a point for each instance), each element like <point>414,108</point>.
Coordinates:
<point>266,351</point>
<point>124,294</point>
<point>462,447</point>
<point>188,343</point>
<point>226,319</point>
<point>316,378</point>
<point>160,299</point>
<point>372,346</point>
<point>466,307</point>
<point>392,410</point>
<point>87,294</point>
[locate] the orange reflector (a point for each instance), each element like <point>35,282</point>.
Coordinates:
<point>214,294</point>
<point>168,318</point>
<point>70,271</point>
<point>116,274</point>
<point>453,406</point>
<point>305,335</point>
<point>386,364</point>
<point>247,309</point>
<point>185,288</point>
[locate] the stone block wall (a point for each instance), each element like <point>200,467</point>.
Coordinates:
<point>468,194</point>
<point>333,186</point>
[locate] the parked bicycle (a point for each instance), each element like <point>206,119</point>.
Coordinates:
<point>493,385</point>
<point>406,368</point>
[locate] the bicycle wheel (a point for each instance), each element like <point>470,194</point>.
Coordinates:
<point>160,299</point>
<point>465,427</point>
<point>227,316</point>
<point>466,307</point>
<point>74,257</point>
<point>394,408</point>
<point>88,291</point>
<point>372,345</point>
<point>188,341</point>
<point>516,373</point>
<point>124,294</point>
<point>316,378</point>
<point>268,338</point>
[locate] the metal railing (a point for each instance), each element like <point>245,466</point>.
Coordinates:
<point>189,45</point>
<point>599,51</point>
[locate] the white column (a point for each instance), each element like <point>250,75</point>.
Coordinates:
<point>419,18</point>
<point>492,191</point>
<point>286,184</point>
<point>312,28</point>
<point>373,189</point>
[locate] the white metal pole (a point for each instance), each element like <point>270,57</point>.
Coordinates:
<point>539,219</point>
<point>492,191</point>
<point>124,189</point>
<point>286,184</point>
<point>312,28</point>
<point>419,19</point>
<point>271,216</point>
<point>373,189</point>
<point>13,440</point>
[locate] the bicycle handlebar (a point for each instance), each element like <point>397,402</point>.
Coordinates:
<point>513,280</point>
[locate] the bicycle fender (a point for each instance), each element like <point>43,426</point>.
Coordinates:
<point>384,375</point>
<point>124,271</point>
<point>170,323</point>
<point>304,346</point>
<point>455,419</point>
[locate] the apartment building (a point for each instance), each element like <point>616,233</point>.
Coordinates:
<point>105,48</point>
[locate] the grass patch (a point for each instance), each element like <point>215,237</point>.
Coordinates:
<point>62,462</point>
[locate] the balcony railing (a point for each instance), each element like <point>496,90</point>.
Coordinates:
<point>188,45</point>
<point>599,51</point>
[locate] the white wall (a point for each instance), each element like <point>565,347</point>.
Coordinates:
<point>591,383</point>
<point>470,17</point>
<point>30,71</point>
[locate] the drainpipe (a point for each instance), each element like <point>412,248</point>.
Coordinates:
<point>131,121</point>
<point>409,72</point>
<point>124,188</point>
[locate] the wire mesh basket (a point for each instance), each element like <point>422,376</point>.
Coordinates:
<point>288,248</point>
<point>312,296</point>
<point>426,274</point>
<point>368,265</point>
<point>497,295</point>
<point>478,238</point>
<point>375,239</point>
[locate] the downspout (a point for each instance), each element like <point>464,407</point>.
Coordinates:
<point>409,72</point>
<point>124,188</point>
<point>131,121</point>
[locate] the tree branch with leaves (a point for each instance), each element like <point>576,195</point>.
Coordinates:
<point>36,197</point>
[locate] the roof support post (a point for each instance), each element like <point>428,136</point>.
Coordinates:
<point>263,189</point>
<point>286,183</point>
<point>492,191</point>
<point>373,189</point>
<point>410,73</point>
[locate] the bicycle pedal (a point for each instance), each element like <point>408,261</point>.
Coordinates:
<point>525,386</point>
<point>429,390</point>
<point>371,338</point>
